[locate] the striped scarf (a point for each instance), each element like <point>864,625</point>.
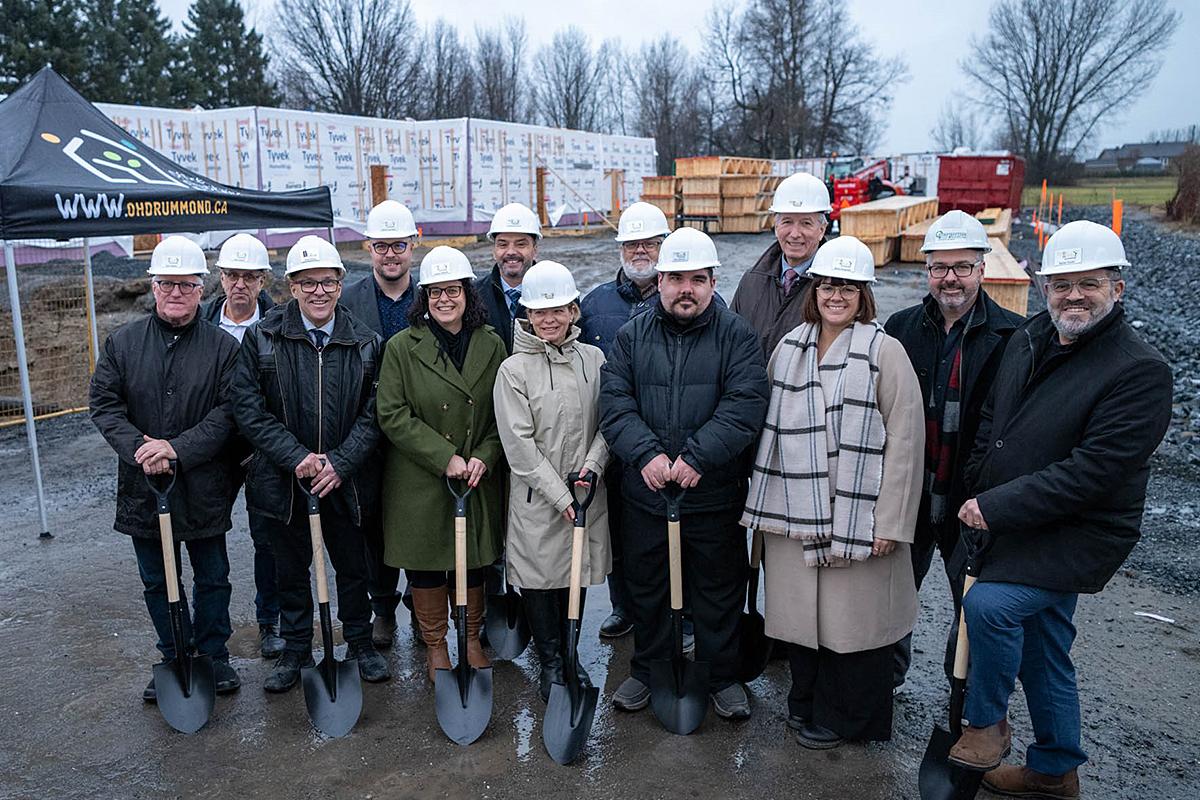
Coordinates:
<point>806,431</point>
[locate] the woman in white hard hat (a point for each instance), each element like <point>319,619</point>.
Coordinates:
<point>547,407</point>
<point>845,421</point>
<point>435,408</point>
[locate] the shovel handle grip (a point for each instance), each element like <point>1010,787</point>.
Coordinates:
<point>460,561</point>
<point>318,552</point>
<point>962,649</point>
<point>577,538</point>
<point>166,535</point>
<point>676,564</point>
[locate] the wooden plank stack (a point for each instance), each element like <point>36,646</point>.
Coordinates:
<point>880,224</point>
<point>663,191</point>
<point>734,189</point>
<point>997,222</point>
<point>1004,279</point>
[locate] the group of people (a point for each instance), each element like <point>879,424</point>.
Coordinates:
<point>857,448</point>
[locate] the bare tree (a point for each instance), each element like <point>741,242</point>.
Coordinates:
<point>348,56</point>
<point>668,95</point>
<point>500,80</point>
<point>955,127</point>
<point>1055,71</point>
<point>1189,134</point>
<point>613,79</point>
<point>447,78</point>
<point>566,78</point>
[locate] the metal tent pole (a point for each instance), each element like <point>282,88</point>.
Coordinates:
<point>14,301</point>
<point>94,350</point>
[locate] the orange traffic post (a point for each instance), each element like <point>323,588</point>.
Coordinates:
<point>1060,199</point>
<point>1118,209</point>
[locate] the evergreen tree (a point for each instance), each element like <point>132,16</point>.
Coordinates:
<point>224,63</point>
<point>132,57</point>
<point>36,33</point>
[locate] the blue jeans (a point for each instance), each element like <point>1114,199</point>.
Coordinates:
<point>1026,632</point>
<point>207,626</point>
<point>266,587</point>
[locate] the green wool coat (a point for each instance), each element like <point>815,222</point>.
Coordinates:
<point>428,412</point>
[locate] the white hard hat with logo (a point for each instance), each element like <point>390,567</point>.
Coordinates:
<point>641,221</point>
<point>801,193</point>
<point>956,230</point>
<point>243,251</point>
<point>515,218</point>
<point>313,252</point>
<point>687,249</point>
<point>390,220</point>
<point>444,263</point>
<point>844,257</point>
<point>177,255</point>
<point>548,284</point>
<point>1082,246</point>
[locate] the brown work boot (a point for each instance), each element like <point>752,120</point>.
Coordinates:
<point>1011,780</point>
<point>475,656</point>
<point>982,748</point>
<point>433,613</point>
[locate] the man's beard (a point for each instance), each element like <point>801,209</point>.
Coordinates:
<point>639,274</point>
<point>1072,329</point>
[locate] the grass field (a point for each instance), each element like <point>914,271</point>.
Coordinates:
<point>1142,191</point>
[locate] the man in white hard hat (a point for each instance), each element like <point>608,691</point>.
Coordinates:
<point>514,233</point>
<point>245,269</point>
<point>381,300</point>
<point>1059,472</point>
<point>954,338</point>
<point>160,396</point>
<point>683,397</point>
<point>304,397</point>
<point>769,295</point>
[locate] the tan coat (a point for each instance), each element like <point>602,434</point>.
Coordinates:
<point>870,603</point>
<point>547,409</point>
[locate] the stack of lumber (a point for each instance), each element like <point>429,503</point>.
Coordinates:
<point>1004,279</point>
<point>663,191</point>
<point>881,223</point>
<point>733,189</point>
<point>996,221</point>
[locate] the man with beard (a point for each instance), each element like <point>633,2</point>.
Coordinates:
<point>1059,471</point>
<point>954,338</point>
<point>381,301</point>
<point>514,232</point>
<point>683,397</point>
<point>769,295</point>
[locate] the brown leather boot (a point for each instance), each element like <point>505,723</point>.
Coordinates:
<point>475,656</point>
<point>982,748</point>
<point>1011,780</point>
<point>433,613</point>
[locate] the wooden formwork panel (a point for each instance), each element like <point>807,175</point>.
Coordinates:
<point>743,185</point>
<point>703,205</point>
<point>714,166</point>
<point>885,250</point>
<point>1000,226</point>
<point>668,205</point>
<point>886,218</point>
<point>1004,279</point>
<point>701,186</point>
<point>714,226</point>
<point>734,206</point>
<point>743,223</point>
<point>659,186</point>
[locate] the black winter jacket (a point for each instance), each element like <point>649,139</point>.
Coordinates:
<point>1060,463</point>
<point>174,384</point>
<point>609,306</point>
<point>291,400</point>
<point>920,329</point>
<point>211,308</point>
<point>698,392</point>
<point>491,289</point>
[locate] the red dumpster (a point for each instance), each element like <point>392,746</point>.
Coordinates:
<point>973,183</point>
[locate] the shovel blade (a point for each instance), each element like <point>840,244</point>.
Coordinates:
<point>463,715</point>
<point>186,708</point>
<point>568,723</point>
<point>941,780</point>
<point>334,710</point>
<point>679,693</point>
<point>504,621</point>
<point>755,648</point>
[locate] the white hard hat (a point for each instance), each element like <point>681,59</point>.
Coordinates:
<point>687,249</point>
<point>313,252</point>
<point>844,257</point>
<point>548,284</point>
<point>956,230</point>
<point>243,251</point>
<point>1081,246</point>
<point>390,220</point>
<point>515,218</point>
<point>801,193</point>
<point>177,255</point>
<point>641,221</point>
<point>444,264</point>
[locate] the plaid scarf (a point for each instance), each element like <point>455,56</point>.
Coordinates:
<point>941,443</point>
<point>805,431</point>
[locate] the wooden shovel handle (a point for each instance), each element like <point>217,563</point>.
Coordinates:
<point>460,561</point>
<point>962,647</point>
<point>576,568</point>
<point>318,552</point>
<point>676,565</point>
<point>166,535</point>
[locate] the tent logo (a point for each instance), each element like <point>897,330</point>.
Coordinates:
<point>111,161</point>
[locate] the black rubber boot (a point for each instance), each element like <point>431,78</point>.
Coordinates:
<point>545,623</point>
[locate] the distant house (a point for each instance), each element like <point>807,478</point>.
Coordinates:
<point>1146,158</point>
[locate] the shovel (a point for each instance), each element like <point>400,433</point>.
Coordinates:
<point>678,687</point>
<point>755,647</point>
<point>938,778</point>
<point>571,708</point>
<point>463,694</point>
<point>185,685</point>
<point>507,631</point>
<point>332,689</point>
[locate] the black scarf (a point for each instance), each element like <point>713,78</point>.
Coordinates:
<point>451,345</point>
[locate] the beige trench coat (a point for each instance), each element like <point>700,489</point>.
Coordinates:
<point>870,603</point>
<point>547,409</point>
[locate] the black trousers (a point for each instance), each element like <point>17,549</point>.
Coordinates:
<point>922,559</point>
<point>383,580</point>
<point>713,549</point>
<point>848,693</point>
<point>618,595</point>
<point>292,545</point>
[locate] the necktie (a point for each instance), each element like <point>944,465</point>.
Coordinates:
<point>318,336</point>
<point>790,276</point>
<point>513,296</point>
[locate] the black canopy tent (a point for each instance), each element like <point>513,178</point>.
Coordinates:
<point>67,171</point>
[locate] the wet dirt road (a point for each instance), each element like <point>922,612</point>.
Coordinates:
<point>77,648</point>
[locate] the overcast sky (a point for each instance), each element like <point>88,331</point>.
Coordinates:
<point>931,35</point>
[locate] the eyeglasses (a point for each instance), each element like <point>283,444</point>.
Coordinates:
<point>453,292</point>
<point>185,287</point>
<point>641,244</point>
<point>382,248</point>
<point>1086,285</point>
<point>328,285</point>
<point>239,276</point>
<point>961,270</point>
<point>846,290</point>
